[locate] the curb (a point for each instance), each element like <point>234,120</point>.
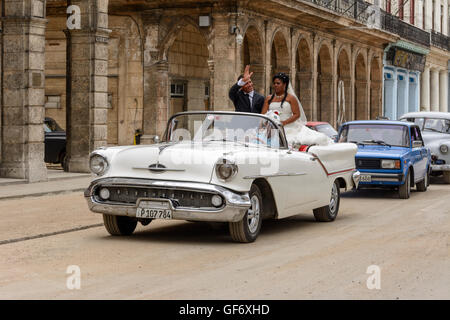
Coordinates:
<point>40,194</point>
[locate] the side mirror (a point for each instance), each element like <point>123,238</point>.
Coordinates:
<point>417,144</point>
<point>156,139</point>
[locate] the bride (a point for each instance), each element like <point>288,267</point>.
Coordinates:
<point>293,118</point>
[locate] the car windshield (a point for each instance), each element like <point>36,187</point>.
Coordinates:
<point>208,127</point>
<point>430,124</point>
<point>327,129</point>
<point>380,134</point>
<point>437,125</point>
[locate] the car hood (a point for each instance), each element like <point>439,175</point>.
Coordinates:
<point>185,161</point>
<point>376,151</point>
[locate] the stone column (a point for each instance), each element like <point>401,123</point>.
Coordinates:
<point>156,100</point>
<point>443,91</point>
<point>23,90</point>
<point>434,90</point>
<point>87,84</point>
<point>211,83</point>
<point>375,99</point>
<point>225,69</point>
<point>315,76</point>
<point>425,90</point>
<point>304,91</point>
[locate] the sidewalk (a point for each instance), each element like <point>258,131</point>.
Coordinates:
<point>58,182</point>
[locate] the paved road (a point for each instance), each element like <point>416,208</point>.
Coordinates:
<point>295,258</point>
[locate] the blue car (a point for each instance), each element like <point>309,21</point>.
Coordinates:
<point>391,154</point>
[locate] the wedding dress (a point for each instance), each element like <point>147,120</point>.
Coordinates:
<point>297,133</point>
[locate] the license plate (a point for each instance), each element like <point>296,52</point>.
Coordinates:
<point>365,178</point>
<point>154,210</point>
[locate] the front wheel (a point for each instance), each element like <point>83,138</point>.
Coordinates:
<point>423,185</point>
<point>119,225</point>
<point>329,213</point>
<point>404,190</point>
<point>247,230</point>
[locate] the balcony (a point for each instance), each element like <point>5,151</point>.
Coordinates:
<point>439,40</point>
<point>358,10</point>
<point>405,30</point>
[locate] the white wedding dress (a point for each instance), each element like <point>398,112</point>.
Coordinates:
<point>297,133</point>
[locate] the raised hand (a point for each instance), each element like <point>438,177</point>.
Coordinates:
<point>247,74</point>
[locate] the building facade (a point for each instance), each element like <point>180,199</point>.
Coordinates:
<point>130,65</point>
<point>416,72</point>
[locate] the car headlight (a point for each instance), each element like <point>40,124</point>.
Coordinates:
<point>98,164</point>
<point>390,164</point>
<point>226,169</point>
<point>443,148</point>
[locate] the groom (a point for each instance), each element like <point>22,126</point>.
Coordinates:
<point>244,97</point>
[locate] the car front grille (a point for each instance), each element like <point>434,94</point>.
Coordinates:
<point>180,198</point>
<point>367,163</point>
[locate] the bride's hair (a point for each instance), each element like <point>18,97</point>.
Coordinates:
<point>285,79</point>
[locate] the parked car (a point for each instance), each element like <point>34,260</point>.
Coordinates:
<point>219,167</point>
<point>323,127</point>
<point>391,154</point>
<point>55,142</point>
<point>435,127</point>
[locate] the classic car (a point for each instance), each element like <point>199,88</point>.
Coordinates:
<point>323,127</point>
<point>435,127</point>
<point>390,154</point>
<point>55,142</point>
<point>218,167</point>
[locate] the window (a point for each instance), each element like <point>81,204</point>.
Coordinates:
<point>432,18</point>
<point>401,12</point>
<point>388,6</point>
<point>177,90</point>
<point>411,11</point>
<point>423,16</point>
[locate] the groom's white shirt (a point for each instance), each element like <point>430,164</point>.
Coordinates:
<point>241,83</point>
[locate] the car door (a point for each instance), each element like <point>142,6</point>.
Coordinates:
<point>302,181</point>
<point>423,152</point>
<point>418,155</point>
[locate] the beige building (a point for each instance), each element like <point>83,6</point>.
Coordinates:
<point>130,65</point>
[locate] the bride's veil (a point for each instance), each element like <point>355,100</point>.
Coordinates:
<point>302,118</point>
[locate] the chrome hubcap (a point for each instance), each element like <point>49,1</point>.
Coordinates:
<point>253,215</point>
<point>334,199</point>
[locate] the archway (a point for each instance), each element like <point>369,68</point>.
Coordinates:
<point>344,74</point>
<point>375,89</point>
<point>189,76</point>
<point>304,79</point>
<point>360,89</point>
<point>252,53</point>
<point>279,55</point>
<point>324,86</point>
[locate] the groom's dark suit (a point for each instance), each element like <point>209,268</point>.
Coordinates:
<point>241,100</point>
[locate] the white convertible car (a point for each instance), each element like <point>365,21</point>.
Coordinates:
<point>219,167</point>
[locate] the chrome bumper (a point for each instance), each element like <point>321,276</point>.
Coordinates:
<point>440,167</point>
<point>383,177</point>
<point>236,204</point>
<point>356,178</point>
